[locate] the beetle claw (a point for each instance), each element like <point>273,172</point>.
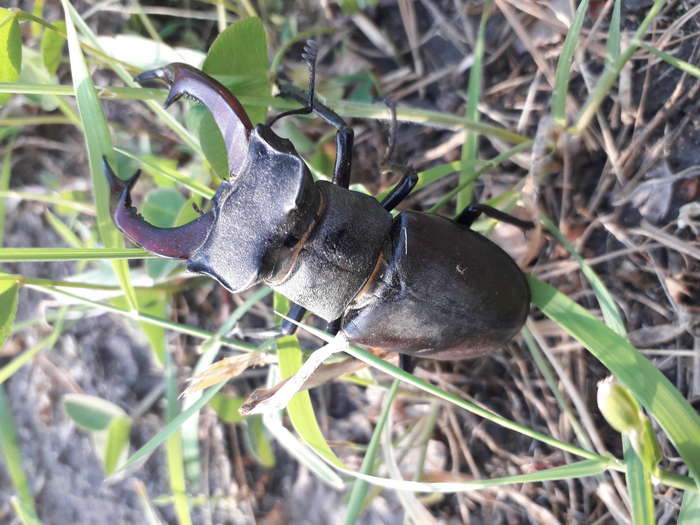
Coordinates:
<point>177,243</point>
<point>230,117</point>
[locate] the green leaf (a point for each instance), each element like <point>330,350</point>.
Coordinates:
<point>10,49</point>
<point>9,290</point>
<point>241,50</point>
<point>226,407</point>
<point>651,388</point>
<point>90,412</point>
<point>690,508</point>
<point>116,444</point>
<point>161,206</point>
<point>52,44</point>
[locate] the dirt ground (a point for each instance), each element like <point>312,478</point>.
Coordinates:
<point>620,212</point>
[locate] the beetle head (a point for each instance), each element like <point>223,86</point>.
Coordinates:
<point>257,219</point>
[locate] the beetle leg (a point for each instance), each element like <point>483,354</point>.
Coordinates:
<point>230,117</point>
<point>407,363</point>
<point>472,212</point>
<point>402,189</point>
<point>345,135</point>
<point>309,55</point>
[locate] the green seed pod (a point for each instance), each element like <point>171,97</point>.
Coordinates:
<point>618,407</point>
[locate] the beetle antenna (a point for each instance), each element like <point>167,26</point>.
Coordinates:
<point>309,55</point>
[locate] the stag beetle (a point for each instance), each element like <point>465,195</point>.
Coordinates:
<point>419,284</point>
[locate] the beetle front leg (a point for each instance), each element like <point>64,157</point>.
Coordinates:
<point>344,138</point>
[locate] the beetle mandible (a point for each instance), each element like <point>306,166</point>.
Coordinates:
<point>417,283</point>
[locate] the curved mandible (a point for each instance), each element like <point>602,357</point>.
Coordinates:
<point>177,243</point>
<point>230,117</point>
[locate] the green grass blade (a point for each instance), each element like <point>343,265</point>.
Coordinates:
<point>24,513</point>
<point>9,292</point>
<point>302,452</point>
<point>470,147</point>
<point>173,447</point>
<point>146,450</point>
<point>4,184</point>
<point>99,144</point>
<point>139,316</point>
<point>300,410</point>
<point>675,62</point>
<point>563,73</point>
<point>361,486</point>
<point>613,44</point>
<point>639,487</point>
<point>17,362</point>
<point>612,71</point>
<point>653,390</point>
<point>12,455</point>
<point>71,254</point>
<point>608,306</point>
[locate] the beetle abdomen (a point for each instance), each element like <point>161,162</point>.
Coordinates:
<point>444,291</point>
<point>338,256</point>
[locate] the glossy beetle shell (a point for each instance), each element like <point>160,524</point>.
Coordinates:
<point>444,291</point>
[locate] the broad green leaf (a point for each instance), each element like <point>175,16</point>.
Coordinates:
<point>52,43</point>
<point>690,509</point>
<point>212,142</point>
<point>10,49</point>
<point>239,51</point>
<point>116,443</point>
<point>651,388</point>
<point>90,412</point>
<point>226,407</point>
<point>9,290</point>
<point>12,455</point>
<point>161,207</point>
